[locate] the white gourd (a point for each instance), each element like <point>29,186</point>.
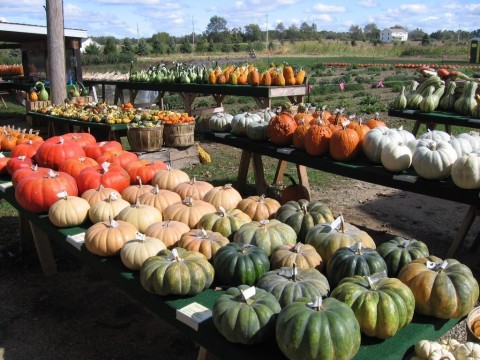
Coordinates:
<point>434,160</point>
<point>461,145</point>
<point>441,354</point>
<point>467,351</point>
<point>220,122</point>
<point>424,348</point>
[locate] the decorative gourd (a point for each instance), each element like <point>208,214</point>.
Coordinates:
<point>461,145</point>
<point>441,354</point>
<point>68,211</point>
<point>98,194</point>
<point>467,351</point>
<point>240,122</point>
<point>476,109</point>
<point>376,139</point>
<point>259,207</point>
<point>294,192</point>
<point>107,208</point>
<point>290,283</point>
<point>109,175</point>
<point>400,102</point>
<point>382,305</point>
<point>54,151</point>
<point>428,103</point>
<point>466,171</point>
<point>301,324</point>
<point>266,114</point>
<point>188,211</point>
<point>317,138</point>
<point>176,272</point>
<point>245,319</point>
<point>302,215</point>
<point>396,156</point>
<point>33,96</point>
<point>434,160</point>
<point>169,178</point>
<point>134,252</point>
<point>354,260</point>
<point>303,256</point>
<point>106,238</point>
<point>140,215</point>
<point>206,242</point>
<point>226,222</point>
<point>42,92</point>
<point>424,348</point>
<point>168,231</point>
<point>159,198</point>
<point>133,192</point>
<point>237,264</point>
<point>399,252</point>
<point>143,171</point>
<point>266,234</point>
<point>466,102</point>
<point>220,122</point>
<point>406,135</point>
<point>225,196</point>
<point>195,189</point>
<point>281,128</point>
<point>443,288</point>
<point>447,101</point>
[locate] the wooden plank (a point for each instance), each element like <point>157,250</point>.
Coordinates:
<point>463,231</point>
<point>259,173</point>
<point>243,170</point>
<point>177,158</point>
<point>44,250</point>
<point>281,166</point>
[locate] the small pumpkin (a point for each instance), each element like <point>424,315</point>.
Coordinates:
<point>68,211</point>
<point>188,211</point>
<point>259,207</point>
<point>195,189</point>
<point>159,198</point>
<point>304,256</point>
<point>98,194</point>
<point>225,196</point>
<point>399,252</point>
<point>106,238</point>
<point>140,215</point>
<point>226,222</point>
<point>132,192</point>
<point>169,178</point>
<point>107,208</point>
<point>134,252</point>
<point>281,128</point>
<point>206,242</point>
<point>344,144</point>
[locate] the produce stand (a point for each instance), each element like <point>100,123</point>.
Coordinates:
<point>210,340</point>
<point>360,169</point>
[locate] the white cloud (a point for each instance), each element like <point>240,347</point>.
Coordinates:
<point>473,8</point>
<point>414,8</point>
<point>329,8</point>
<point>322,18</point>
<point>368,3</point>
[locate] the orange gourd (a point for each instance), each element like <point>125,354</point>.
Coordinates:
<point>253,77</point>
<point>300,76</point>
<point>281,128</point>
<point>33,96</point>
<point>289,75</point>
<point>317,139</point>
<point>344,144</point>
<point>242,78</point>
<point>266,78</point>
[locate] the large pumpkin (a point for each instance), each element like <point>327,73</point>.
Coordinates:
<point>382,306</point>
<point>21,173</point>
<point>443,288</point>
<point>74,166</point>
<point>106,238</point>
<point>159,198</point>
<point>176,272</point>
<point>169,178</point>
<point>28,149</point>
<point>20,162</point>
<point>95,150</point>
<point>259,207</point>
<point>122,157</point>
<point>225,196</point>
<point>68,211</point>
<point>466,171</point>
<point>226,222</point>
<point>344,144</point>
<point>281,128</point>
<point>376,139</point>
<point>140,215</point>
<point>53,152</point>
<point>82,139</point>
<point>303,256</point>
<point>195,189</point>
<point>434,160</point>
<point>109,175</point>
<point>240,122</point>
<point>399,252</point>
<point>188,211</point>
<point>169,231</point>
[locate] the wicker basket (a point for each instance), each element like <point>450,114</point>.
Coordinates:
<point>145,138</point>
<point>180,135</point>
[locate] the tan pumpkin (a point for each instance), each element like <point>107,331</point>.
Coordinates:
<point>196,189</point>
<point>159,198</point>
<point>133,192</point>
<point>134,252</point>
<point>188,211</point>
<point>168,179</point>
<point>68,211</point>
<point>140,215</point>
<point>206,242</point>
<point>225,196</point>
<point>259,207</point>
<point>100,193</point>
<point>304,256</point>
<point>168,231</point>
<point>106,238</point>
<point>108,208</point>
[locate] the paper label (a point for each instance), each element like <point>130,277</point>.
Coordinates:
<point>316,304</point>
<point>140,236</point>
<point>1,155</point>
<point>373,279</point>
<point>114,195</point>
<point>248,293</point>
<point>5,186</point>
<point>285,150</point>
<point>431,265</point>
<point>105,166</point>
<point>288,271</point>
<point>345,123</point>
<point>76,240</point>
<point>193,314</point>
<point>336,223</point>
<point>62,194</point>
<point>408,178</point>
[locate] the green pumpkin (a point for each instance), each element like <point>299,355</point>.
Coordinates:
<point>302,215</point>
<point>237,264</point>
<point>327,332</point>
<point>245,321</point>
<point>443,289</point>
<point>354,260</point>
<point>290,284</point>
<point>176,272</point>
<point>399,252</point>
<point>226,222</point>
<point>382,308</point>
<point>266,234</point>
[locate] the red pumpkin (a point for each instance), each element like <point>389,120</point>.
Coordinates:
<point>27,148</point>
<point>144,169</point>
<point>75,166</point>
<point>18,162</point>
<point>3,163</point>
<point>281,128</point>
<point>122,157</point>
<point>81,139</point>
<point>95,150</point>
<point>110,176</point>
<point>24,172</point>
<point>52,153</point>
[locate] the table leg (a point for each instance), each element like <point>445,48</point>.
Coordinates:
<point>26,244</point>
<point>260,182</point>
<point>416,127</point>
<point>243,170</point>
<point>44,251</point>
<point>281,166</point>
<point>462,233</point>
<point>303,176</point>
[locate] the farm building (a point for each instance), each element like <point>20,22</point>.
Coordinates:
<point>393,34</point>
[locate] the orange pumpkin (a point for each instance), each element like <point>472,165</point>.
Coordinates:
<point>294,192</point>
<point>33,96</point>
<point>253,77</point>
<point>281,128</point>
<point>375,121</point>
<point>360,128</point>
<point>299,135</point>
<point>307,118</point>
<point>317,139</point>
<point>344,144</point>
<point>266,78</point>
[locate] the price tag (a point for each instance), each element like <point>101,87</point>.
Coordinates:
<point>431,265</point>
<point>288,271</point>
<point>140,236</point>
<point>76,240</point>
<point>407,178</point>
<point>114,195</point>
<point>193,314</point>
<point>336,223</point>
<point>317,304</point>
<point>221,135</point>
<point>408,111</point>
<point>105,166</point>
<point>287,151</point>
<point>62,194</point>
<point>5,186</point>
<point>345,123</point>
<point>248,293</point>
<point>373,279</point>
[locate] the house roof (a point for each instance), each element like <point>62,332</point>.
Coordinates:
<point>20,33</point>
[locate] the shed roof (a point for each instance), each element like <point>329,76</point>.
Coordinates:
<point>21,33</point>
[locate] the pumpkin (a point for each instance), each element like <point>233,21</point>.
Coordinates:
<point>107,208</point>
<point>109,175</point>
<point>302,215</point>
<point>33,96</point>
<point>376,139</point>
<point>281,128</point>
<point>241,121</point>
<point>467,351</point>
<point>54,151</point>
<point>144,170</point>
<point>106,238</point>
<point>317,138</point>
<point>225,196</point>
<point>140,215</point>
<point>100,193</point>
<point>176,272</point>
<point>226,222</point>
<point>396,156</point>
<point>220,122</point>
<point>303,256</point>
<point>443,288</point>
<point>434,160</point>
<point>257,130</point>
<point>344,144</point>
<point>206,242</point>
<point>294,192</point>
<point>3,164</point>
<point>95,150</point>
<point>360,128</point>
<point>68,211</point>
<point>266,234</point>
<point>159,198</point>
<point>169,178</point>
<point>188,211</point>
<point>134,252</point>
<point>8,142</point>
<point>74,166</point>
<point>266,114</point>
<point>20,162</point>
<point>121,158</point>
<point>194,188</point>
<point>245,319</point>
<point>237,264</point>
<point>399,252</point>
<point>168,231</point>
<point>375,121</point>
<point>461,145</point>
<point>298,139</point>
<point>424,348</point>
<point>435,135</point>
<point>466,171</point>
<point>132,192</point>
<point>28,149</point>
<point>473,138</point>
<point>382,307</point>
<point>290,283</point>
<point>354,260</point>
<point>81,138</point>
<point>21,173</point>
<point>259,207</point>
<point>301,324</point>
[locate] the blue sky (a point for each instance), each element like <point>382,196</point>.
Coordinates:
<point>143,18</point>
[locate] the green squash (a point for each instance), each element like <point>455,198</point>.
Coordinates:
<point>245,321</point>
<point>399,252</point>
<point>266,234</point>
<point>327,332</point>
<point>382,308</point>
<point>176,272</point>
<point>354,260</point>
<point>237,264</point>
<point>400,102</point>
<point>444,289</point>
<point>290,284</point>
<point>226,222</point>
<point>302,215</point>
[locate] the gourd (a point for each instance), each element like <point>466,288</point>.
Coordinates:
<point>168,231</point>
<point>376,139</point>
<point>259,207</point>
<point>441,354</point>
<point>466,102</point>
<point>220,122</point>
<point>399,252</point>
<point>396,157</point>
<point>476,109</point>
<point>134,252</point>
<point>443,288</point>
<point>447,101</point>
<point>434,160</point>
<point>68,211</point>
<point>302,323</point>
<point>467,351</point>
<point>42,92</point>
<point>225,196</point>
<point>32,95</point>
<point>106,238</point>
<point>140,215</point>
<point>176,272</point>
<point>226,222</point>
<point>382,305</point>
<point>400,102</point>
<point>107,208</point>
<point>195,189</point>
<point>188,211</point>
<point>245,319</point>
<point>428,103</point>
<point>466,171</point>
<point>424,348</point>
<point>205,242</point>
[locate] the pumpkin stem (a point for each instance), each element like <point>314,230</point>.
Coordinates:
<point>139,179</point>
<point>222,212</point>
<point>203,233</point>
<point>296,248</point>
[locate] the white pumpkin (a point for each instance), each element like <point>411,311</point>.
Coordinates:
<point>434,160</point>
<point>413,143</point>
<point>257,130</point>
<point>266,114</point>
<point>473,137</point>
<point>220,122</point>
<point>68,211</point>
<point>449,343</point>
<point>466,171</point>
<point>376,139</point>
<point>396,156</point>
<point>424,348</point>
<point>135,252</point>
<point>441,354</point>
<point>467,351</point>
<point>435,135</point>
<point>461,145</point>
<point>405,134</point>
<point>240,122</point>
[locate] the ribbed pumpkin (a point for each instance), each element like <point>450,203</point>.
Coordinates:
<point>382,307</point>
<point>95,150</point>
<point>188,211</point>
<point>245,320</point>
<point>106,238</point>
<point>220,122</point>
<point>176,272</point>
<point>266,234</point>
<point>434,160</point>
<point>290,283</point>
<point>299,134</point>
<point>226,222</point>
<point>109,175</point>
<point>241,121</point>
<point>301,324</point>
<point>237,264</point>
<point>28,149</point>
<point>134,252</point>
<point>54,151</point>
<point>144,170</point>
<point>132,192</point>
<point>375,121</point>
<point>107,208</point>
<point>21,173</point>
<point>360,128</point>
<point>317,138</point>
<point>68,211</point>
<point>169,178</point>
<point>344,144</point>
<point>259,207</point>
<point>225,196</point>
<point>258,130</point>
<point>121,158</point>
<point>399,252</point>
<point>443,288</point>
<point>195,189</point>
<point>206,242</point>
<point>98,194</point>
<point>168,231</point>
<point>281,128</point>
<point>304,256</point>
<point>140,215</point>
<point>466,171</point>
<point>159,198</point>
<point>20,162</point>
<point>74,166</point>
<point>376,139</point>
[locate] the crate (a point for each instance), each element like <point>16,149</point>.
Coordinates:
<point>176,158</point>
<point>81,100</point>
<point>145,138</point>
<point>179,135</point>
<point>34,105</point>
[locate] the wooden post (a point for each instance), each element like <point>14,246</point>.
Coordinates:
<point>56,51</point>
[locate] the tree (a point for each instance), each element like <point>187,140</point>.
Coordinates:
<point>110,46</point>
<point>159,42</point>
<point>92,49</point>
<point>356,33</point>
<point>186,46</point>
<point>372,32</point>
<point>252,33</point>
<point>308,31</point>
<point>201,46</point>
<point>416,35</point>
<point>280,31</point>
<point>215,28</point>
<point>142,48</point>
<point>292,33</point>
<point>426,40</point>
<point>171,46</point>
<point>127,46</point>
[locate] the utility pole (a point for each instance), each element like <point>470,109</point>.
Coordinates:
<point>193,32</point>
<point>266,38</point>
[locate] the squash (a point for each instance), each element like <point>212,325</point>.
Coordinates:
<point>176,272</point>
<point>447,101</point>
<point>376,139</point>
<point>303,256</point>
<point>245,319</point>
<point>159,198</point>
<point>344,144</point>
<point>466,171</point>
<point>424,348</point>
<point>396,156</point>
<point>225,196</point>
<point>98,194</point>
<point>467,351</point>
<point>461,145</point>
<point>168,231</point>
<point>220,122</point>
<point>106,238</point>
<point>443,288</point>
<point>281,128</point>
<point>435,135</point>
<point>434,160</point>
<point>226,222</point>
<point>257,130</point>
<point>134,252</point>
<point>188,211</point>
<point>400,102</point>
<point>108,208</point>
<point>68,211</point>
<point>259,207</point>
<point>399,252</point>
<point>465,104</point>
<point>140,215</point>
<point>205,242</point>
<point>169,178</point>
<point>193,188</point>
<point>132,192</point>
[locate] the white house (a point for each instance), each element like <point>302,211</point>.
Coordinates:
<point>86,42</point>
<point>393,34</point>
